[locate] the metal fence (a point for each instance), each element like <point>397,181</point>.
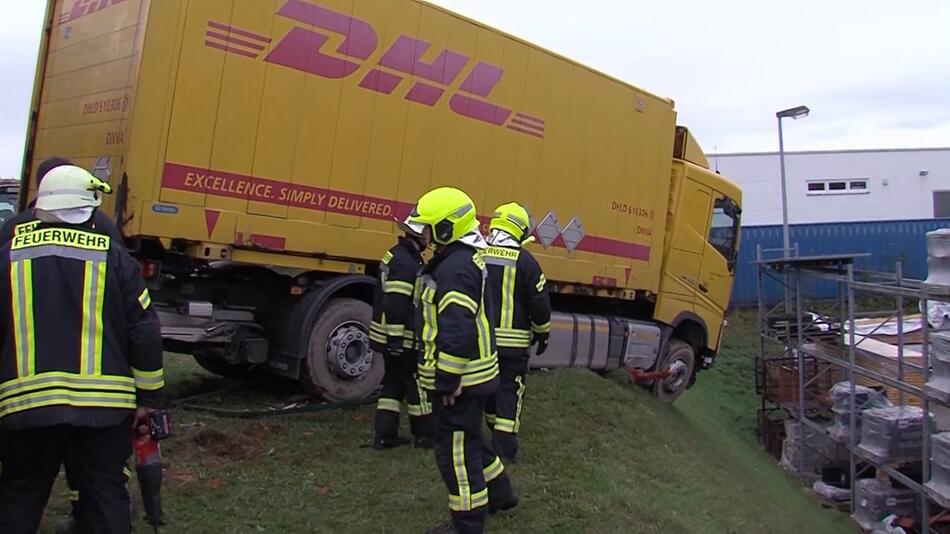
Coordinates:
<point>887,242</point>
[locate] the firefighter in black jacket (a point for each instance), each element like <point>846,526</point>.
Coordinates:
<point>459,365</point>
<point>522,317</point>
<point>26,221</point>
<point>80,358</point>
<point>392,334</point>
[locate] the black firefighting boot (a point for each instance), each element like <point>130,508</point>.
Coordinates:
<point>501,495</point>
<point>422,429</point>
<point>387,431</point>
<point>472,522</point>
<point>505,445</point>
<point>381,444</point>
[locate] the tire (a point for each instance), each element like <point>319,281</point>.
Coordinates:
<point>217,366</point>
<point>679,357</point>
<point>340,365</point>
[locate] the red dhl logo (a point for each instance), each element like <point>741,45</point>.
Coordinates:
<point>302,49</point>
<point>81,8</point>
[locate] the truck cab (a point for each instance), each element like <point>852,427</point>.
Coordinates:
<point>702,246</point>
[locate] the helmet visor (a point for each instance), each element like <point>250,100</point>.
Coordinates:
<point>413,228</point>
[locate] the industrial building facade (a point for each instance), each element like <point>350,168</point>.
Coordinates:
<point>879,202</point>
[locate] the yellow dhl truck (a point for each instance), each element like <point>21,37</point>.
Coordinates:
<point>260,151</point>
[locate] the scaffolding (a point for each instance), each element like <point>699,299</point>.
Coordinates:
<point>804,347</point>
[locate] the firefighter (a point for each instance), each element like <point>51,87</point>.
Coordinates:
<point>80,358</point>
<point>522,317</point>
<point>25,221</point>
<point>459,364</point>
<point>392,334</point>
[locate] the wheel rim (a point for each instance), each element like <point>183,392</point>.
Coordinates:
<point>677,378</point>
<point>348,352</point>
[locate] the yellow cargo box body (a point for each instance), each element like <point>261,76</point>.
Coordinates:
<point>87,73</point>
<point>292,132</point>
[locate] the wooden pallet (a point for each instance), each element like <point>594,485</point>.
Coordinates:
<point>882,358</point>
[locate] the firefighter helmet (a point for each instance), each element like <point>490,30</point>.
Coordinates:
<point>514,219</point>
<point>67,187</point>
<point>449,212</point>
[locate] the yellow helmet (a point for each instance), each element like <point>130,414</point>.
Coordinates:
<point>512,218</point>
<point>67,187</point>
<point>448,211</point>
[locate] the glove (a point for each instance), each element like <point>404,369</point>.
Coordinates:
<point>542,342</point>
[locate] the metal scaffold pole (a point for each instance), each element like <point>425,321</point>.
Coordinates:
<point>799,328</point>
<point>760,291</point>
<point>899,276</point>
<point>852,378</point>
<point>925,453</point>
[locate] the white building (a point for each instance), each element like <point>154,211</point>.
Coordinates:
<point>841,186</point>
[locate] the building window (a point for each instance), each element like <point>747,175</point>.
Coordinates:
<point>854,186</point>
<point>941,204</point>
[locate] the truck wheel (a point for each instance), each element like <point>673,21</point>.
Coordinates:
<point>215,365</point>
<point>680,359</point>
<point>340,366</point>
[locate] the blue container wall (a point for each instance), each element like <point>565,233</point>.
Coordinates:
<point>886,241</point>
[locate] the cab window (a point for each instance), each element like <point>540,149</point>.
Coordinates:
<point>8,199</point>
<point>724,229</point>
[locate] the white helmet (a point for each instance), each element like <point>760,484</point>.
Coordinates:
<point>68,187</point>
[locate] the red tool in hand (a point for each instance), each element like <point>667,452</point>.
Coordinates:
<point>148,465</point>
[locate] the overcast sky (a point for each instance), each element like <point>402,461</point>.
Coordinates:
<point>876,73</point>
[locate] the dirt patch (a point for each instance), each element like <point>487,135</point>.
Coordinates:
<point>190,481</point>
<point>227,446</point>
<point>259,430</point>
<point>181,477</point>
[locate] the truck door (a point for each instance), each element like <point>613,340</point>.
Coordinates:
<point>687,247</point>
<point>679,288</point>
<point>719,260</point>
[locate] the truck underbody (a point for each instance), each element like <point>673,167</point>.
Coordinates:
<point>313,328</point>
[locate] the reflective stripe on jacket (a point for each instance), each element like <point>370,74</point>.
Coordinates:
<point>81,344</point>
<point>393,324</point>
<point>457,342</point>
<point>518,285</point>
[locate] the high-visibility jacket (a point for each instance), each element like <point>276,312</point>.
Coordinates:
<point>393,327</point>
<point>518,286</point>
<point>454,306</point>
<point>79,341</point>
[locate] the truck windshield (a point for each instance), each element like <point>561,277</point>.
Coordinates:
<point>8,203</point>
<point>725,228</point>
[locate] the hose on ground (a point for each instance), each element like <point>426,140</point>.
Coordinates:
<point>188,404</point>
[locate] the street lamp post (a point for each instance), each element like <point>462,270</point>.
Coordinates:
<point>795,113</point>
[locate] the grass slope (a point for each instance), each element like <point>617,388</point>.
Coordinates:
<point>599,456</point>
